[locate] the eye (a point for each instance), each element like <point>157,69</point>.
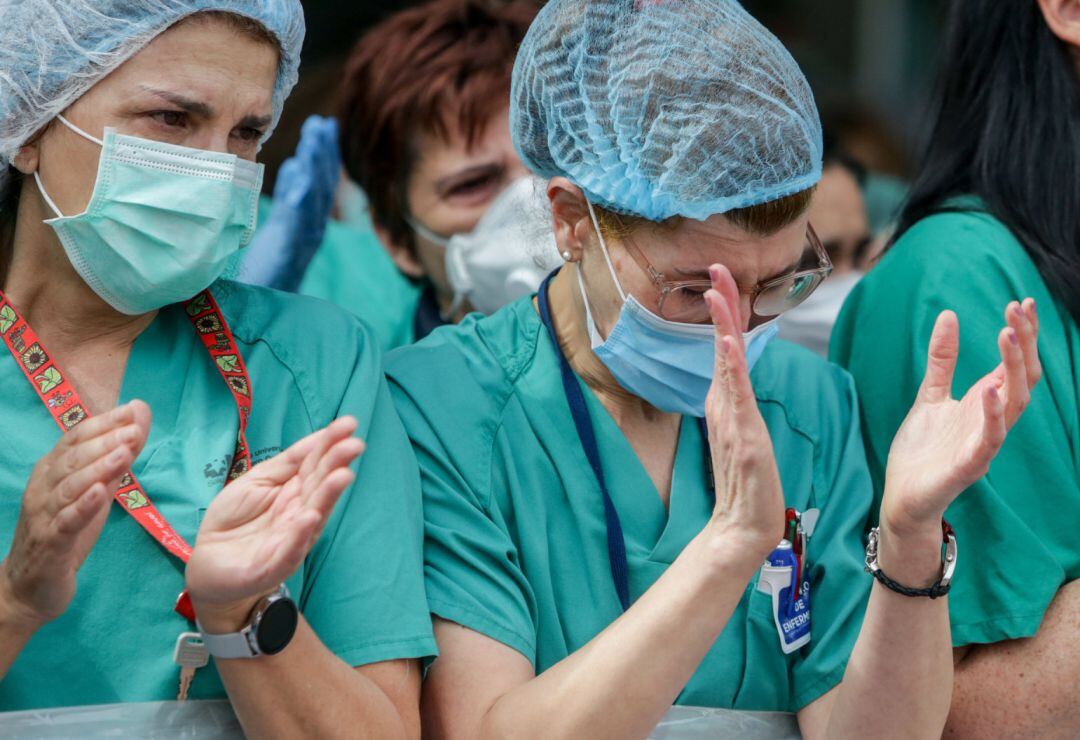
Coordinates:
<point>472,186</point>
<point>249,134</point>
<point>170,118</point>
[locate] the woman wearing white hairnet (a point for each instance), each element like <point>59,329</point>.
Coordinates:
<point>620,515</point>
<point>128,132</point>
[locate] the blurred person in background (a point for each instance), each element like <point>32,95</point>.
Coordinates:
<point>424,135</point>
<point>993,216</point>
<point>838,211</point>
<point>168,433</point>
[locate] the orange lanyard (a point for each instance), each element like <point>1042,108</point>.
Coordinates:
<point>56,392</point>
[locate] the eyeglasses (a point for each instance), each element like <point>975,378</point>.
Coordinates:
<point>684,300</point>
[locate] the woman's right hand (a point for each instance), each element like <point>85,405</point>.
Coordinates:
<point>749,510</point>
<point>63,510</point>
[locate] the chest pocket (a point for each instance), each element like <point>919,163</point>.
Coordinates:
<point>767,684</point>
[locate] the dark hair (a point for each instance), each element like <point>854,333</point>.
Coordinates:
<point>1007,129</point>
<point>440,66</point>
<point>9,214</point>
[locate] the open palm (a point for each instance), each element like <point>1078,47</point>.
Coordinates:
<point>946,445</point>
<point>260,527</point>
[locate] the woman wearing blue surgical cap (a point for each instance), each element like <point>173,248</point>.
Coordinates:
<point>620,513</point>
<point>248,551</point>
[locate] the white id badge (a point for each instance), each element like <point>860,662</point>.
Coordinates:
<point>791,613</point>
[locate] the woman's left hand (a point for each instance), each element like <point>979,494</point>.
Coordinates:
<point>945,445</point>
<point>261,526</point>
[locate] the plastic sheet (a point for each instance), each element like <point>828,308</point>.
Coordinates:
<point>160,720</point>
<point>699,723</point>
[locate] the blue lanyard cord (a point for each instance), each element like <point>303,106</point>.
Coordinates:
<point>575,398</point>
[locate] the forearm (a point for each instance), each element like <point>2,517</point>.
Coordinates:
<point>898,680</point>
<point>16,628</point>
<point>14,635</point>
<point>620,684</point>
<point>1023,688</point>
<point>307,691</point>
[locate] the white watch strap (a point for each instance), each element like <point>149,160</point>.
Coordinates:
<point>229,646</point>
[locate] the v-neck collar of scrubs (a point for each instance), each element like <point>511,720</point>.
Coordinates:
<point>639,527</point>
<point>169,341</point>
<point>652,532</point>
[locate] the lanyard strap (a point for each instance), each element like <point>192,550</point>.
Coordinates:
<point>575,398</point>
<point>67,410</point>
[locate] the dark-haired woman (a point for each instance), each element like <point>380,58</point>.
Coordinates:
<point>994,216</point>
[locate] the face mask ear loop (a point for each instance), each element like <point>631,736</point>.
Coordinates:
<point>79,131</point>
<point>48,200</point>
<point>431,236</point>
<point>604,249</point>
<point>594,335</point>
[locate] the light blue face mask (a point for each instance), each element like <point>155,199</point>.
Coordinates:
<point>667,363</point>
<point>162,222</point>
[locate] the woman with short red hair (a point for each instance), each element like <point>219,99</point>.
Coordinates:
<point>424,132</point>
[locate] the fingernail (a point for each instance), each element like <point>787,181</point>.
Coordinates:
<point>714,274</point>
<point>993,393</point>
<point>1012,336</point>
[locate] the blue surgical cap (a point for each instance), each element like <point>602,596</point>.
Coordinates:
<point>53,51</point>
<point>660,108</point>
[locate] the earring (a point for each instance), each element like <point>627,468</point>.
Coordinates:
<point>566,255</point>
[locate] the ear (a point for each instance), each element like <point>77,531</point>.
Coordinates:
<point>26,159</point>
<point>402,254</point>
<point>570,217</point>
<point>1063,18</point>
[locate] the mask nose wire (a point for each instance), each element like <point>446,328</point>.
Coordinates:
<point>37,177</point>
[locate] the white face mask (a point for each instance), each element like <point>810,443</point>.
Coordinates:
<point>810,323</point>
<point>508,254</point>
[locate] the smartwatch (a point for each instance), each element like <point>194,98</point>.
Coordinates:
<point>269,630</point>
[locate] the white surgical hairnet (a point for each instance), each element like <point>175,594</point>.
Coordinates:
<point>660,108</point>
<point>53,51</point>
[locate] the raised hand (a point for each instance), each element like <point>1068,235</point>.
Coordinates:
<point>260,527</point>
<point>749,498</point>
<point>946,445</point>
<point>285,244</point>
<point>64,507</point>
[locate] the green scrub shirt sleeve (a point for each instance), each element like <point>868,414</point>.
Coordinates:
<point>472,572</point>
<point>1007,573</point>
<point>839,588</point>
<point>363,587</point>
<point>353,271</point>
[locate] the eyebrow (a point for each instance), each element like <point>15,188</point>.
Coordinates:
<point>199,108</point>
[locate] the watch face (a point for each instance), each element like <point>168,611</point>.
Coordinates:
<point>277,626</point>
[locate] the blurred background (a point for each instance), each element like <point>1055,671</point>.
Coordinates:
<point>870,62</point>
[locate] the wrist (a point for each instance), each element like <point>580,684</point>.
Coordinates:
<point>222,618</point>
<point>723,555</point>
<point>16,620</point>
<point>911,557</point>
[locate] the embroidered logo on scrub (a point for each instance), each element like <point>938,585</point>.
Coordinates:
<point>785,576</point>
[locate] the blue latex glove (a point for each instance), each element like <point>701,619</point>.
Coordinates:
<point>279,254</point>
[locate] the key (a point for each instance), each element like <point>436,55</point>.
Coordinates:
<point>191,655</point>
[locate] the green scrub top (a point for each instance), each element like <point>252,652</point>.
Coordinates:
<point>352,269</point>
<point>360,588</point>
<point>515,536</point>
<point>1017,527</point>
